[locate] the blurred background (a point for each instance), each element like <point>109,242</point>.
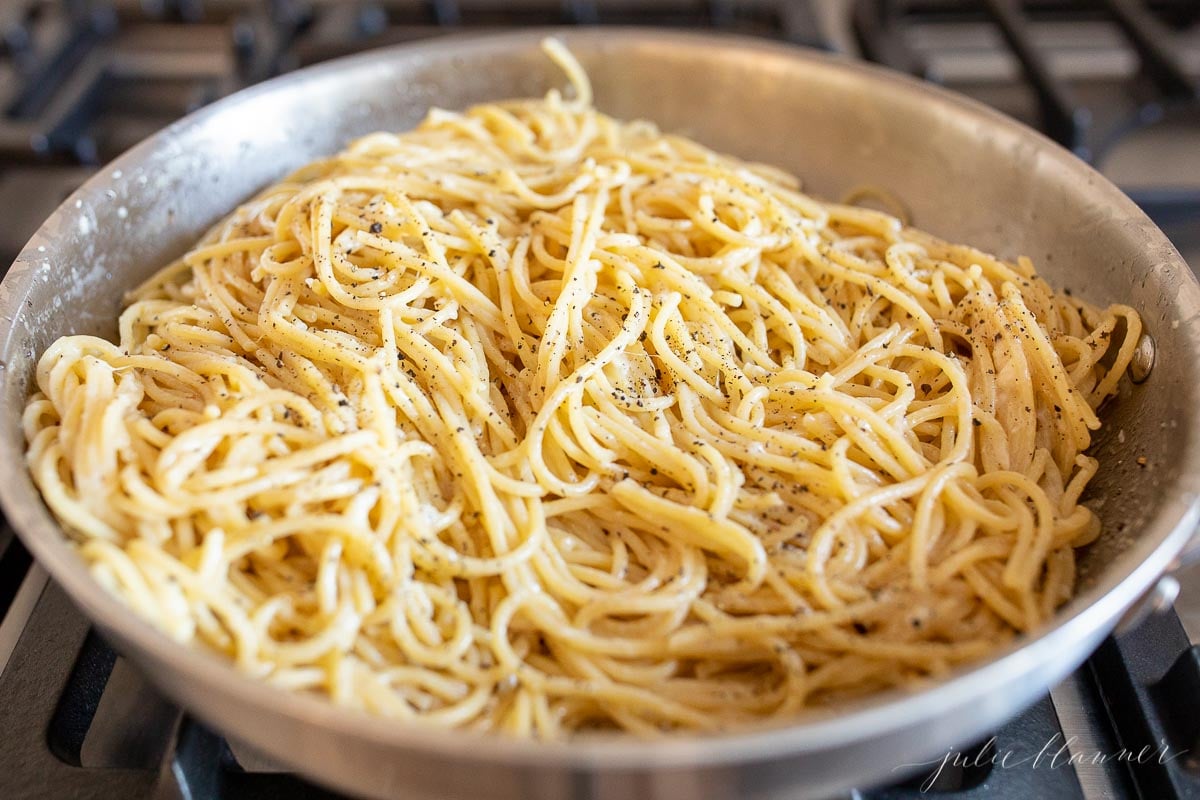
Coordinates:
<point>1114,80</point>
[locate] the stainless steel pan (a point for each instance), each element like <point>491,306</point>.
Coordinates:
<point>966,173</point>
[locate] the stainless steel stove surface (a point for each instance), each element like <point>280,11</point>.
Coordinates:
<point>1115,80</point>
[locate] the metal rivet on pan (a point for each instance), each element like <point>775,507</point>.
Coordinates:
<point>1143,359</point>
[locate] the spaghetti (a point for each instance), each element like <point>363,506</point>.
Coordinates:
<point>530,420</point>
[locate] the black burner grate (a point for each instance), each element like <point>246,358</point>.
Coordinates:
<point>82,81</point>
<point>1160,90</point>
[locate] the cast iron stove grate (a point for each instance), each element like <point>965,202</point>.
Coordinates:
<point>83,80</point>
<point>1162,87</point>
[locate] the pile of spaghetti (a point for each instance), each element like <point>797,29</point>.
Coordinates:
<point>531,420</point>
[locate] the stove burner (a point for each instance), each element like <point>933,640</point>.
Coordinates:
<point>82,81</point>
<point>1158,89</point>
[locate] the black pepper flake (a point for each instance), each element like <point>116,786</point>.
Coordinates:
<point>860,628</point>
<point>376,227</point>
<point>976,423</point>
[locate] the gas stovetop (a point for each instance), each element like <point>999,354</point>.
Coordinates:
<point>83,80</point>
